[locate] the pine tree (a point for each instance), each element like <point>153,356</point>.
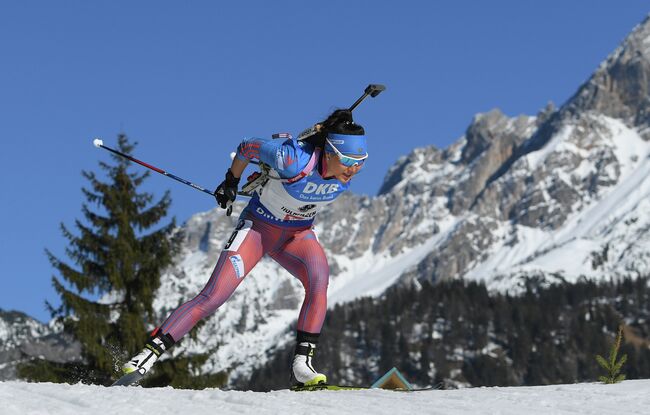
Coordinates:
<point>613,365</point>
<point>118,257</point>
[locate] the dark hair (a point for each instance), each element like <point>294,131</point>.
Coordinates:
<point>338,122</point>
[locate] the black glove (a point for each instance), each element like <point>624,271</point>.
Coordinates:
<point>227,190</point>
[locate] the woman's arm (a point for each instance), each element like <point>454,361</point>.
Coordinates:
<point>285,157</point>
<point>238,166</point>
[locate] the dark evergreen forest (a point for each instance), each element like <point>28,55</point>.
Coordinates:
<point>457,334</point>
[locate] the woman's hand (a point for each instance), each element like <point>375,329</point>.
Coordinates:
<point>226,192</point>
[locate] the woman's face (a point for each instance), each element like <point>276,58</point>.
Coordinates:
<point>341,172</point>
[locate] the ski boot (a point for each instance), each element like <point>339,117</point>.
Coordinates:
<point>302,371</point>
<point>140,364</point>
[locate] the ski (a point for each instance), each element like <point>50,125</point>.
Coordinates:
<point>129,379</point>
<point>325,386</point>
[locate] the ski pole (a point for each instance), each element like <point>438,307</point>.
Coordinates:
<point>100,144</point>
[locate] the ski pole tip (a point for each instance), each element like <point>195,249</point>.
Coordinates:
<point>97,142</point>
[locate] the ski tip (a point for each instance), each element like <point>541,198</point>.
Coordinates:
<point>128,379</point>
<point>97,142</point>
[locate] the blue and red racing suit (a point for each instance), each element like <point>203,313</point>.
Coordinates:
<point>277,221</point>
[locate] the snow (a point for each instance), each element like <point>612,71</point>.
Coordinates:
<point>633,186</point>
<point>557,143</point>
<point>372,274</point>
<point>630,397</point>
<point>572,259</point>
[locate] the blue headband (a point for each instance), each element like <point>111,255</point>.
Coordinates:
<point>351,145</point>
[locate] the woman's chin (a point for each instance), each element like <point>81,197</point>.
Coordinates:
<point>344,178</point>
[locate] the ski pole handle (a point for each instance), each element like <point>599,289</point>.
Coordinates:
<point>373,90</point>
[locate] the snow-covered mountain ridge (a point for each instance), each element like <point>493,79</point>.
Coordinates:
<point>22,337</point>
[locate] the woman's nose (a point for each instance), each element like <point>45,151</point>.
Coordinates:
<point>354,169</point>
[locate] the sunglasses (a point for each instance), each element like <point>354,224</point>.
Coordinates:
<point>347,161</point>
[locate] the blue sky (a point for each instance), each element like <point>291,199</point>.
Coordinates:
<point>188,80</point>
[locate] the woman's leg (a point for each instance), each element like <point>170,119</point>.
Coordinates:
<point>305,259</point>
<point>243,250</point>
<point>246,246</point>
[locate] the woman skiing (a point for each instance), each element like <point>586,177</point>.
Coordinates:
<point>302,178</point>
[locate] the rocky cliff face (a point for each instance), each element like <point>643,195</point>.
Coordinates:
<point>621,86</point>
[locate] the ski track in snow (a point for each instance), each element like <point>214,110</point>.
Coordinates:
<point>629,397</point>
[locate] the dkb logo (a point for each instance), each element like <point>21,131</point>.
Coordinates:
<point>321,189</point>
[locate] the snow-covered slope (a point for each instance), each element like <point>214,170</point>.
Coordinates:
<point>630,397</point>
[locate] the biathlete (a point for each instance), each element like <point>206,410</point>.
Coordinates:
<point>303,177</point>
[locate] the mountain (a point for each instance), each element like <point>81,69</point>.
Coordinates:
<point>553,196</point>
<point>22,338</point>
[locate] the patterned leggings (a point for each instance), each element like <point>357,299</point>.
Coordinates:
<point>296,249</point>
